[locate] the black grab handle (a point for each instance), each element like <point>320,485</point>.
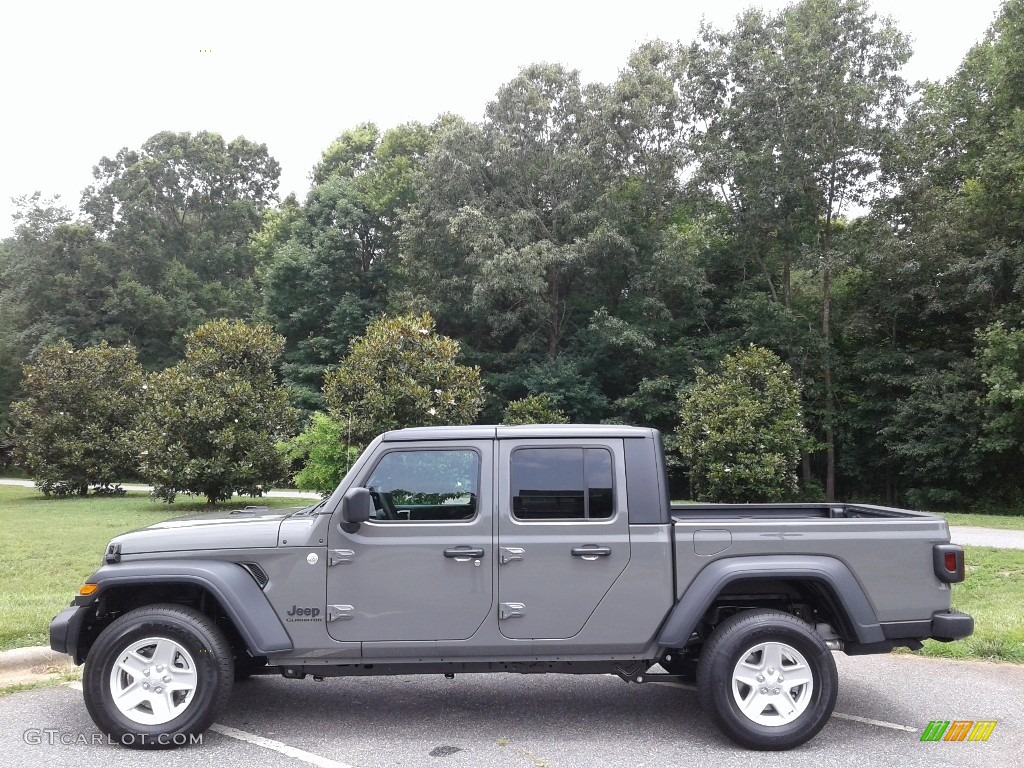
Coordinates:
<point>464,552</point>
<point>591,551</point>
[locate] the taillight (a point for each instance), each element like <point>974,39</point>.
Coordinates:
<point>948,560</point>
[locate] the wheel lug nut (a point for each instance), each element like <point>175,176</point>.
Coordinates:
<point>776,691</point>
<point>146,672</point>
<point>145,686</point>
<point>161,690</point>
<point>764,690</point>
<point>159,667</point>
<point>760,678</point>
<point>167,678</point>
<point>781,678</point>
<point>770,671</point>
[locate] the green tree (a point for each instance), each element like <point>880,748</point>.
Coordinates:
<point>552,213</point>
<point>944,260</point>
<point>1001,360</point>
<point>646,274</point>
<point>742,429</point>
<point>211,422</point>
<point>176,217</point>
<point>535,409</point>
<point>333,259</point>
<point>74,427</point>
<point>325,452</point>
<point>516,198</point>
<point>799,106</point>
<point>935,439</point>
<point>12,352</point>
<point>53,278</point>
<point>402,373</point>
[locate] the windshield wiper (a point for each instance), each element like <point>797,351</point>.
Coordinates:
<point>311,510</point>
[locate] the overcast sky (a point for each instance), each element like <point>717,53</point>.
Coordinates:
<point>81,80</point>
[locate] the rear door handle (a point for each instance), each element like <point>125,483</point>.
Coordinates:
<point>591,553</point>
<point>460,553</point>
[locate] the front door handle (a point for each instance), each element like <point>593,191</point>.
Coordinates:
<point>591,553</point>
<point>460,553</point>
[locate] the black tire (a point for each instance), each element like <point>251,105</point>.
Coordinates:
<point>199,659</point>
<point>756,637</point>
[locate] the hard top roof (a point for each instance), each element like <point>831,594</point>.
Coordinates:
<point>500,431</point>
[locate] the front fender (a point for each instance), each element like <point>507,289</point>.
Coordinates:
<point>829,571</point>
<point>232,586</point>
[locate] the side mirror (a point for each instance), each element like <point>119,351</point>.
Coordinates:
<point>356,506</point>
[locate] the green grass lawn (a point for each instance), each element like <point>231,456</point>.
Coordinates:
<point>50,546</point>
<point>1016,522</point>
<point>993,593</point>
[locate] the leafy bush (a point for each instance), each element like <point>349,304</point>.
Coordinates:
<point>325,452</point>
<point>402,373</point>
<point>212,422</point>
<point>74,427</point>
<point>741,429</point>
<point>535,409</point>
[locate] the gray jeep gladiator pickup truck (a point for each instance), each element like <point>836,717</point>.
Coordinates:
<point>509,549</point>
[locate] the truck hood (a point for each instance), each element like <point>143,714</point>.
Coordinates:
<point>238,529</point>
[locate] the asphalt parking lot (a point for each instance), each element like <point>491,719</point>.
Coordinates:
<point>513,721</point>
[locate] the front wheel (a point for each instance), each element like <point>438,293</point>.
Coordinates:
<point>768,679</point>
<point>156,677</point>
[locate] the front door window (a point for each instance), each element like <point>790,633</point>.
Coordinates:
<point>425,486</point>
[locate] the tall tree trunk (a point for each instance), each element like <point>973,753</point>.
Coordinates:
<point>554,319</point>
<point>826,332</point>
<point>762,262</point>
<point>787,279</point>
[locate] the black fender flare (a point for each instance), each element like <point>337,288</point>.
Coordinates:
<point>829,571</point>
<point>231,584</point>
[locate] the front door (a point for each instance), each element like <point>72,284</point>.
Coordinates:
<point>563,534</point>
<point>420,569</point>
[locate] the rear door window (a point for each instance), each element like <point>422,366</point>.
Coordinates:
<point>562,484</point>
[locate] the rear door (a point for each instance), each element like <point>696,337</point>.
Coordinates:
<point>563,533</point>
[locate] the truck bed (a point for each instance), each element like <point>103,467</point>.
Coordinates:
<point>693,512</point>
<point>875,543</point>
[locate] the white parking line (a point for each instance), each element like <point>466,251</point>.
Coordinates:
<point>277,746</point>
<point>840,715</point>
<point>879,723</point>
<point>299,754</point>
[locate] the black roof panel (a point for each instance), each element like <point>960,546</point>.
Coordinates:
<point>533,431</point>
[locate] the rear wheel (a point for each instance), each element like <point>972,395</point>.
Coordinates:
<point>768,679</point>
<point>157,676</point>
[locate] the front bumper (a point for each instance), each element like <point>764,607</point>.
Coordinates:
<point>65,629</point>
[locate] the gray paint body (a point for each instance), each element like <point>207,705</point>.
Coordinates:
<point>386,593</point>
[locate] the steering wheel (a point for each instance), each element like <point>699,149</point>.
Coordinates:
<point>382,501</point>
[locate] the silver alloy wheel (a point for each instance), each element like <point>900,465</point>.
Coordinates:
<point>153,681</point>
<point>772,684</point>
